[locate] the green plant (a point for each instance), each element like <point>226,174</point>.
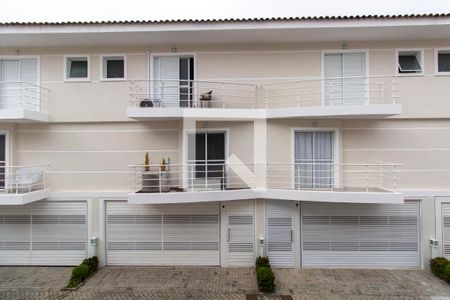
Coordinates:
<point>146,162</point>
<point>446,273</point>
<point>437,265</point>
<point>262,261</point>
<point>266,279</point>
<point>73,282</point>
<point>80,272</point>
<point>92,263</point>
<point>163,165</point>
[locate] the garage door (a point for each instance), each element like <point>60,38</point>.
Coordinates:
<point>360,235</point>
<point>446,229</point>
<point>43,233</point>
<point>241,233</point>
<point>169,234</point>
<point>280,233</point>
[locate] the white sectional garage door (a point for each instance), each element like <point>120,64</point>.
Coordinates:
<point>241,233</point>
<point>168,234</point>
<point>43,233</point>
<point>280,233</point>
<point>360,235</point>
<point>446,229</point>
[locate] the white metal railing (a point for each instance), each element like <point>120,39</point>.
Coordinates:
<point>376,177</point>
<point>188,177</point>
<point>336,91</point>
<point>304,175</point>
<point>22,179</point>
<point>192,94</point>
<point>22,95</point>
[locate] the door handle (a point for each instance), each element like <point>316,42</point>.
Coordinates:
<point>292,235</point>
<point>229,234</point>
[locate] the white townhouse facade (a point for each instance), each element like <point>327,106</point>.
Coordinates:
<point>319,141</point>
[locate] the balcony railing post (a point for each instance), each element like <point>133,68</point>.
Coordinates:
<point>20,94</point>
<point>394,167</point>
<point>382,92</point>
<point>266,96</point>
<point>223,95</point>
<point>160,181</point>
<point>298,93</point>
<point>367,177</point>
<point>380,174</point>
<point>394,88</point>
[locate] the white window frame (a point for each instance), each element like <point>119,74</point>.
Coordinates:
<point>185,145</point>
<point>336,150</point>
<point>102,66</point>
<point>66,68</point>
<point>341,51</point>
<point>436,61</point>
<point>421,61</point>
<point>151,68</point>
<point>19,57</point>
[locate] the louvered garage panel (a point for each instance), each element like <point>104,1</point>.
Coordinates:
<point>43,233</point>
<point>168,234</point>
<point>280,233</point>
<point>360,235</point>
<point>241,233</point>
<point>446,229</point>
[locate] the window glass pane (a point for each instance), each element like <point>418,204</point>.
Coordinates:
<point>444,62</point>
<point>115,68</point>
<point>408,64</point>
<point>78,69</point>
<point>216,146</point>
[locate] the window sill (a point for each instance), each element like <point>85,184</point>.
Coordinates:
<point>77,80</point>
<point>112,79</point>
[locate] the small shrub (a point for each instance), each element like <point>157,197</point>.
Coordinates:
<point>437,265</point>
<point>73,282</point>
<point>80,272</point>
<point>92,263</point>
<point>266,279</point>
<point>446,273</point>
<point>262,261</point>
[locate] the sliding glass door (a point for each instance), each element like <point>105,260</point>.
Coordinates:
<point>173,81</point>
<point>206,160</point>
<point>314,160</point>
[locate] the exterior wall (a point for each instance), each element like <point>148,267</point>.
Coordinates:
<point>422,146</point>
<point>95,156</point>
<point>96,100</point>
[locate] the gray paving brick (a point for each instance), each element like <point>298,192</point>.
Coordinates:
<point>117,283</point>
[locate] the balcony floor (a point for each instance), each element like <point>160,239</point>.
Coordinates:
<point>339,196</point>
<point>22,198</point>
<point>349,111</point>
<point>22,116</point>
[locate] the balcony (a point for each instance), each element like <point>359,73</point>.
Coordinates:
<point>22,102</point>
<point>301,181</point>
<point>352,97</point>
<point>349,97</point>
<point>22,184</point>
<point>153,99</point>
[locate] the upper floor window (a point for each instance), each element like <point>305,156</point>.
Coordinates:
<point>18,83</point>
<point>113,67</point>
<point>410,62</point>
<point>443,61</point>
<point>173,81</point>
<point>77,68</point>
<point>345,78</point>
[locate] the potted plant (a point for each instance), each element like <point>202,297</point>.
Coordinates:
<point>150,180</point>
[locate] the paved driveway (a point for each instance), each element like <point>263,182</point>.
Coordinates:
<point>220,283</point>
